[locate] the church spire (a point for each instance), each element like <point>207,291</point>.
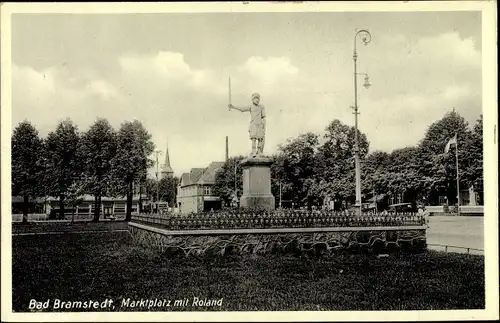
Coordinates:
<point>166,168</point>
<point>167,157</point>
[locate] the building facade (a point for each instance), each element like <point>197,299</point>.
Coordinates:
<point>110,206</point>
<point>195,190</point>
<point>49,205</point>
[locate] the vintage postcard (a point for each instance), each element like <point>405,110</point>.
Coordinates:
<point>249,161</point>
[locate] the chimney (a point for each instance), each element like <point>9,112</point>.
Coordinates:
<point>227,148</point>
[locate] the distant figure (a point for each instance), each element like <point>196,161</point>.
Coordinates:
<point>257,127</point>
<point>426,216</point>
<point>234,200</point>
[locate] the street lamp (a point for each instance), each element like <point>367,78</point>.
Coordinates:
<point>367,80</point>
<point>366,38</point>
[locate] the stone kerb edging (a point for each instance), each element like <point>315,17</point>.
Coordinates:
<point>315,241</point>
<point>270,230</point>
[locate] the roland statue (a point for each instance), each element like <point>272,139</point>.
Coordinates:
<point>257,127</point>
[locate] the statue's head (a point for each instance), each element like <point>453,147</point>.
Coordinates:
<point>256,98</point>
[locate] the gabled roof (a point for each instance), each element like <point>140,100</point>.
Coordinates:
<point>208,176</point>
<point>201,175</point>
<point>192,177</point>
<point>185,179</point>
<point>195,174</point>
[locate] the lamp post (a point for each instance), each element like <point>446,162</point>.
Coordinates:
<point>366,38</point>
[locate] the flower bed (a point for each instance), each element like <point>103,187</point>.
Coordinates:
<point>255,219</point>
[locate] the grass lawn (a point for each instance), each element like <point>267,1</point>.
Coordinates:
<point>45,227</point>
<point>78,267</point>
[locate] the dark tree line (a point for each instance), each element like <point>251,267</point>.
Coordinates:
<point>166,187</point>
<point>311,167</point>
<point>67,164</point>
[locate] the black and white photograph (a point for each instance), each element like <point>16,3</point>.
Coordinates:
<point>249,161</point>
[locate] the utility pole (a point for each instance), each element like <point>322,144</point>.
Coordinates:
<point>157,152</point>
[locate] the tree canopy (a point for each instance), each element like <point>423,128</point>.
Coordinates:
<point>305,170</point>
<point>97,150</point>
<point>311,166</point>
<point>28,164</point>
<point>225,178</point>
<point>63,167</point>
<point>132,159</point>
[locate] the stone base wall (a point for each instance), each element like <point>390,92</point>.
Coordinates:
<point>378,241</point>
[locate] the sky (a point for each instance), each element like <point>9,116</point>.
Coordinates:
<point>170,71</point>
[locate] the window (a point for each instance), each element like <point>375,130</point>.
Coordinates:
<point>119,208</point>
<point>208,190</point>
<point>83,208</point>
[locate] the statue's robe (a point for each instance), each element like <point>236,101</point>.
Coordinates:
<point>257,127</point>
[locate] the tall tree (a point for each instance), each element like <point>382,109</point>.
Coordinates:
<point>438,167</point>
<point>132,159</point>
<point>74,197</point>
<point>374,172</point>
<point>151,185</point>
<point>225,178</point>
<point>97,151</point>
<point>281,187</point>
<point>28,164</point>
<point>474,171</point>
<point>168,189</point>
<point>63,167</point>
<point>403,177</point>
<point>335,160</point>
<point>295,166</point>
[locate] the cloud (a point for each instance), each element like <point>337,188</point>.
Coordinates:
<point>106,90</point>
<point>415,81</point>
<point>269,70</point>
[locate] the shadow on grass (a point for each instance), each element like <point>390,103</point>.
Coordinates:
<point>78,267</point>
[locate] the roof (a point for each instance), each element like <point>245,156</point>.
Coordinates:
<point>208,176</point>
<point>166,169</point>
<point>195,174</point>
<point>201,175</point>
<point>184,180</point>
<point>192,177</point>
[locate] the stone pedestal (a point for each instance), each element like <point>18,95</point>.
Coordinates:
<point>257,183</point>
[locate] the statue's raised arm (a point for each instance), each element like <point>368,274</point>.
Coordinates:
<point>241,109</point>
